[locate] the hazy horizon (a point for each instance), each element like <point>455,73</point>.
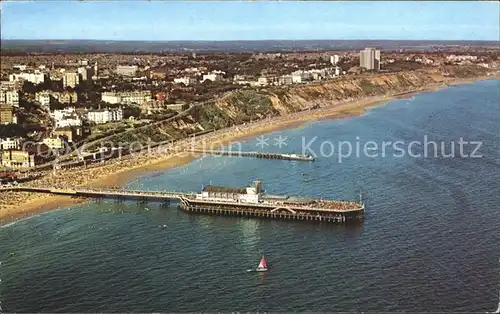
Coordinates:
<point>128,46</point>
<point>253,40</point>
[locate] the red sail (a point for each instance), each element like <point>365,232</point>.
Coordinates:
<point>262,263</point>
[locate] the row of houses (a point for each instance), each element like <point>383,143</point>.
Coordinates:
<point>9,97</point>
<point>70,77</point>
<point>18,158</point>
<point>19,153</point>
<point>45,98</point>
<point>158,106</point>
<point>296,77</point>
<point>10,143</point>
<point>66,134</point>
<point>10,94</point>
<point>134,97</point>
<point>35,77</point>
<point>69,117</point>
<point>213,76</point>
<point>455,58</point>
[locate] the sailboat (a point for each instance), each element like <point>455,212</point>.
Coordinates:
<point>262,266</point>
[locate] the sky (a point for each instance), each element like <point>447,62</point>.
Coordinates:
<point>250,20</point>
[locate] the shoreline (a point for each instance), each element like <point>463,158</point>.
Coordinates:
<point>34,204</point>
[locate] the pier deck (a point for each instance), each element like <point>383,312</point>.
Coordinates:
<point>315,210</point>
<point>297,157</point>
<point>95,192</point>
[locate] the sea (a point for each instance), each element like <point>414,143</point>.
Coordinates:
<point>430,241</point>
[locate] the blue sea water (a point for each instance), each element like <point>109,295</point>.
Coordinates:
<point>429,242</point>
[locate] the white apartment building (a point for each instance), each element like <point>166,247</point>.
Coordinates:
<point>138,97</point>
<point>184,80</point>
<point>285,80</point>
<point>71,79</point>
<point>195,70</point>
<point>68,121</point>
<point>20,67</point>
<point>34,77</point>
<point>9,97</point>
<point>105,115</point>
<point>127,70</point>
<point>334,59</point>
<point>263,81</point>
<point>12,97</point>
<point>302,76</point>
<point>66,118</point>
<point>370,59</point>
<point>111,97</point>
<point>84,72</point>
<point>10,143</point>
<point>60,113</point>
<point>214,76</point>
<point>296,78</point>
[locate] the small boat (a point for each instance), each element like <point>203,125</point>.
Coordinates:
<point>262,265</point>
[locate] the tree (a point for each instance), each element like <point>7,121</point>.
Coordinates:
<point>131,112</point>
<point>56,105</point>
<point>12,130</point>
<point>29,87</point>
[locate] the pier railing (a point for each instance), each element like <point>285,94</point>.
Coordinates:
<point>100,192</point>
<point>282,156</point>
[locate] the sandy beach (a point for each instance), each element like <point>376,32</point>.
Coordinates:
<point>15,205</point>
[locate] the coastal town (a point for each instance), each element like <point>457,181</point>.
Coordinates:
<point>62,110</point>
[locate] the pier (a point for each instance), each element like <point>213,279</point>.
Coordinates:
<point>223,201</point>
<point>102,193</point>
<point>263,155</point>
